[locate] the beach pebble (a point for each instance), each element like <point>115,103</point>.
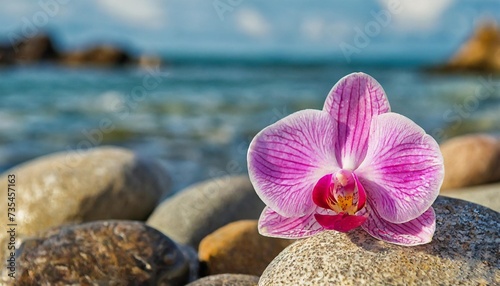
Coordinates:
<point>227,280</point>
<point>109,252</point>
<point>73,187</point>
<point>464,251</point>
<point>239,248</point>
<point>197,211</point>
<point>470,160</point>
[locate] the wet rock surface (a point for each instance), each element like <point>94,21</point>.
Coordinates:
<point>109,252</point>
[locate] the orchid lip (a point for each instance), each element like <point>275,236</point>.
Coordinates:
<point>343,194</point>
<point>340,192</point>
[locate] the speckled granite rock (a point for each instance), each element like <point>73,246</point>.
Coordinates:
<point>464,251</point>
<point>73,187</point>
<point>227,280</point>
<point>110,252</point>
<point>200,209</point>
<point>239,248</point>
<point>485,195</point>
<point>470,160</point>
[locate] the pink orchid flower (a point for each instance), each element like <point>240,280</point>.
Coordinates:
<point>352,164</point>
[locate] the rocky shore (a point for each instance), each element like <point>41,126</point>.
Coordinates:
<point>479,53</point>
<point>96,217</point>
<point>43,48</point>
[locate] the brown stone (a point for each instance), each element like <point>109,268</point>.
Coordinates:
<point>28,50</point>
<point>239,248</point>
<point>35,49</point>
<point>109,252</point>
<point>480,53</point>
<point>470,160</point>
<point>103,55</point>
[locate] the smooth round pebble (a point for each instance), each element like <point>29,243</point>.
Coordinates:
<point>227,280</point>
<point>82,186</point>
<point>109,252</point>
<point>239,248</point>
<point>193,213</point>
<point>470,160</point>
<point>464,251</point>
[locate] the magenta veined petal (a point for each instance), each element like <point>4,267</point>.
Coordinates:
<point>286,159</point>
<point>414,232</point>
<point>403,170</point>
<point>353,102</point>
<point>273,224</point>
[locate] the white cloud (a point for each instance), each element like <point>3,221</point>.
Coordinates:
<point>252,22</point>
<point>416,14</point>
<point>317,29</point>
<point>145,13</point>
<point>313,28</point>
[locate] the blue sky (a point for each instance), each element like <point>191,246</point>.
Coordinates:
<point>429,29</point>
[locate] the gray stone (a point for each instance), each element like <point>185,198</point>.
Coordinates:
<point>464,251</point>
<point>227,280</point>
<point>200,209</point>
<point>109,252</point>
<point>485,195</point>
<point>74,187</point>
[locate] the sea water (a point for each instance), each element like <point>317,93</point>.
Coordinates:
<point>198,119</point>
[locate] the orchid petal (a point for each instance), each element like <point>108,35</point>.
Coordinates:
<point>353,102</point>
<point>286,159</point>
<point>340,222</point>
<point>403,170</point>
<point>274,225</point>
<point>414,232</point>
